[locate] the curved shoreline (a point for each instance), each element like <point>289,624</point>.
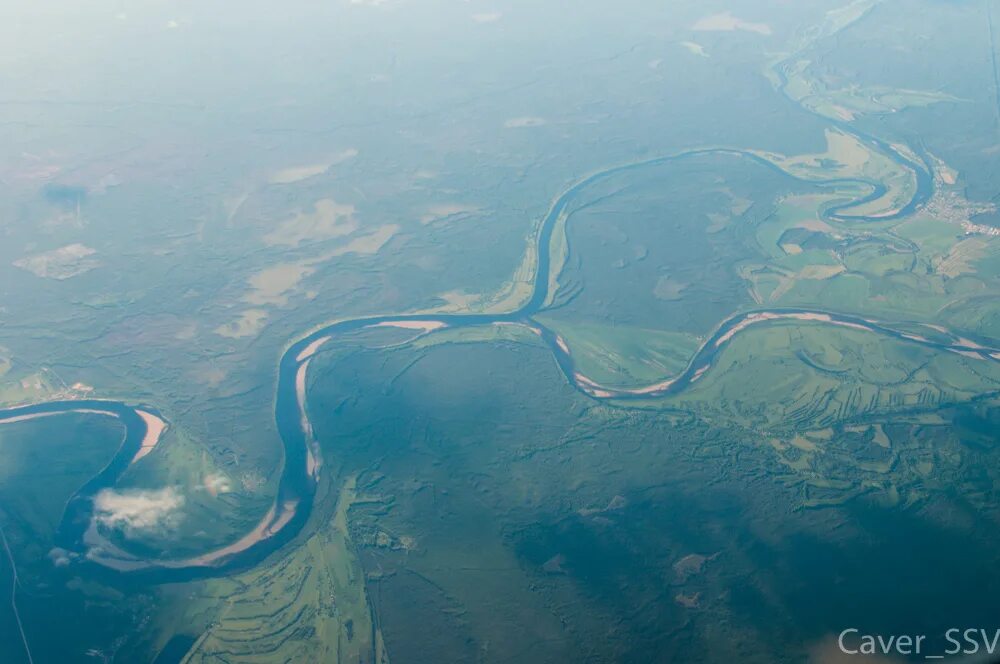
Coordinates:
<point>302,461</point>
<point>703,358</point>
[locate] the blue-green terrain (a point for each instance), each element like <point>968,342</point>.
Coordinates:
<point>395,331</point>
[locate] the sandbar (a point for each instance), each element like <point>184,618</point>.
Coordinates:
<point>155,426</point>
<point>425,325</point>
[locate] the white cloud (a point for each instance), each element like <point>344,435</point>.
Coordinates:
<point>138,510</point>
<point>216,483</point>
<point>61,557</point>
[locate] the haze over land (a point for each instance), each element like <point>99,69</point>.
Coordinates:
<point>426,331</point>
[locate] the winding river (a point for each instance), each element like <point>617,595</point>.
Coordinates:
<point>293,502</point>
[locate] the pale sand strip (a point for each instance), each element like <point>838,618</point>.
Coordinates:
<point>311,349</point>
<point>425,325</point>
<point>766,316</point>
<point>25,418</point>
<point>746,322</point>
<point>651,389</point>
<point>155,427</point>
<point>35,416</point>
<point>313,458</point>
<point>962,341</point>
<point>700,372</point>
<point>300,397</point>
<point>562,344</point>
<point>312,461</point>
<point>266,529</point>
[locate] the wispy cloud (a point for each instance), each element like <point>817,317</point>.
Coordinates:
<point>136,510</point>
